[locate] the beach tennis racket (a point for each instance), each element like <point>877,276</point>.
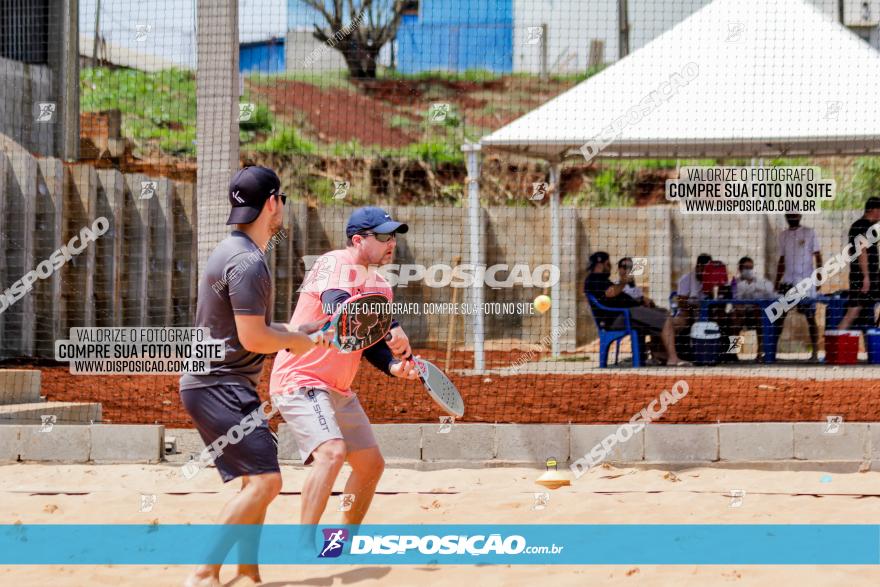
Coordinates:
<point>359,322</point>
<point>441,389</point>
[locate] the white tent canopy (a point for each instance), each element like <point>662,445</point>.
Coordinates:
<point>774,78</point>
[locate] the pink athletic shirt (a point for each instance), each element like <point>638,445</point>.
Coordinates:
<point>325,368</point>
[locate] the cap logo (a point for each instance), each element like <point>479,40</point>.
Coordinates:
<point>237,198</point>
<point>387,216</point>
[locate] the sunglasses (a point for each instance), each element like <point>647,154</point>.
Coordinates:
<point>382,238</point>
<point>283,197</point>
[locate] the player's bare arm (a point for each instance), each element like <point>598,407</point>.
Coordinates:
<point>257,337</point>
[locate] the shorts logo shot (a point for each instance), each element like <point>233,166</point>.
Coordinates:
<point>317,407</point>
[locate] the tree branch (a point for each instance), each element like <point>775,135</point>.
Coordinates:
<point>387,32</point>
<point>333,21</point>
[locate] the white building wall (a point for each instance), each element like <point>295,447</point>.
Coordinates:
<point>573,24</point>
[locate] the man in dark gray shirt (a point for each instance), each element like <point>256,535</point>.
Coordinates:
<point>235,301</point>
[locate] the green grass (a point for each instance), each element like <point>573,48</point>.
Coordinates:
<point>576,78</point>
<point>865,182</point>
<point>609,189</point>
<point>352,148</point>
<point>639,164</point>
<point>324,80</point>
<point>434,152</point>
<point>157,106</point>
<point>469,75</point>
<point>285,140</point>
<point>261,119</point>
<point>398,121</point>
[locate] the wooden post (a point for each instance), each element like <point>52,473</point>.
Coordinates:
<point>623,29</point>
<point>545,73</point>
<point>161,252</point>
<point>450,331</point>
<point>108,292</point>
<point>4,280</point>
<point>137,252</point>
<point>185,277</point>
<point>81,212</point>
<point>597,53</point>
<point>21,217</point>
<point>49,228</point>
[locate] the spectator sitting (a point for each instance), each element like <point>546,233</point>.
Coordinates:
<point>751,287</point>
<point>690,292</point>
<point>630,288</point>
<point>653,321</point>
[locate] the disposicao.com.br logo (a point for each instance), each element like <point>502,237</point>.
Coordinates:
<point>402,544</point>
<point>334,541</point>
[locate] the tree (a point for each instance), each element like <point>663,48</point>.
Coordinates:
<point>359,31</point>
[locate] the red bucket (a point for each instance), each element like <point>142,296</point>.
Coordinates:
<point>841,347</point>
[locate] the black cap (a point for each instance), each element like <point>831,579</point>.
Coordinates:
<point>873,203</point>
<point>375,219</point>
<point>598,257</point>
<point>249,189</point>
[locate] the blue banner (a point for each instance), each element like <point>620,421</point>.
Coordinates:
<point>759,544</point>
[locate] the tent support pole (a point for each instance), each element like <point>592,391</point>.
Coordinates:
<point>472,154</point>
<point>555,254</point>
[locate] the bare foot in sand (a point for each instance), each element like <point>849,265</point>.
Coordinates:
<point>201,578</point>
<point>245,580</point>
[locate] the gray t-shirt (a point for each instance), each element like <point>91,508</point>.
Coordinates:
<point>236,281</point>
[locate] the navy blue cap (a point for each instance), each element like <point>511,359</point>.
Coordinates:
<point>373,219</point>
<point>249,189</point>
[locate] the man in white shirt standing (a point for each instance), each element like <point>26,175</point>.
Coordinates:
<point>799,255</point>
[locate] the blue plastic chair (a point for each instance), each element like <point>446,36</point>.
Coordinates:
<point>673,303</point>
<point>607,337</point>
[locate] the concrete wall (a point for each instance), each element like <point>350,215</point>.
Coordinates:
<point>106,284</point>
<point>98,443</point>
<point>302,44</point>
<point>140,273</point>
<point>22,87</point>
<point>783,445</point>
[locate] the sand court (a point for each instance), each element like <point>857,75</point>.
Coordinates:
<point>112,494</point>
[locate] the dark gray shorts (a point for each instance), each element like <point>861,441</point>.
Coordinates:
<point>650,320</point>
<point>215,410</point>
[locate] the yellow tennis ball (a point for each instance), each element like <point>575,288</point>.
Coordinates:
<point>542,303</point>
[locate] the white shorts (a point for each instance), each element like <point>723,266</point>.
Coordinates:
<point>318,415</point>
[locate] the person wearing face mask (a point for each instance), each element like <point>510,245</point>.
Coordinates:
<point>798,256</point>
<point>655,322</point>
<point>690,292</point>
<point>750,286</point>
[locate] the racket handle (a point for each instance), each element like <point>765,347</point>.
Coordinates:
<point>316,335</point>
<point>406,358</point>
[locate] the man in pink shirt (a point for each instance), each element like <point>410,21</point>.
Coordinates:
<point>313,390</point>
